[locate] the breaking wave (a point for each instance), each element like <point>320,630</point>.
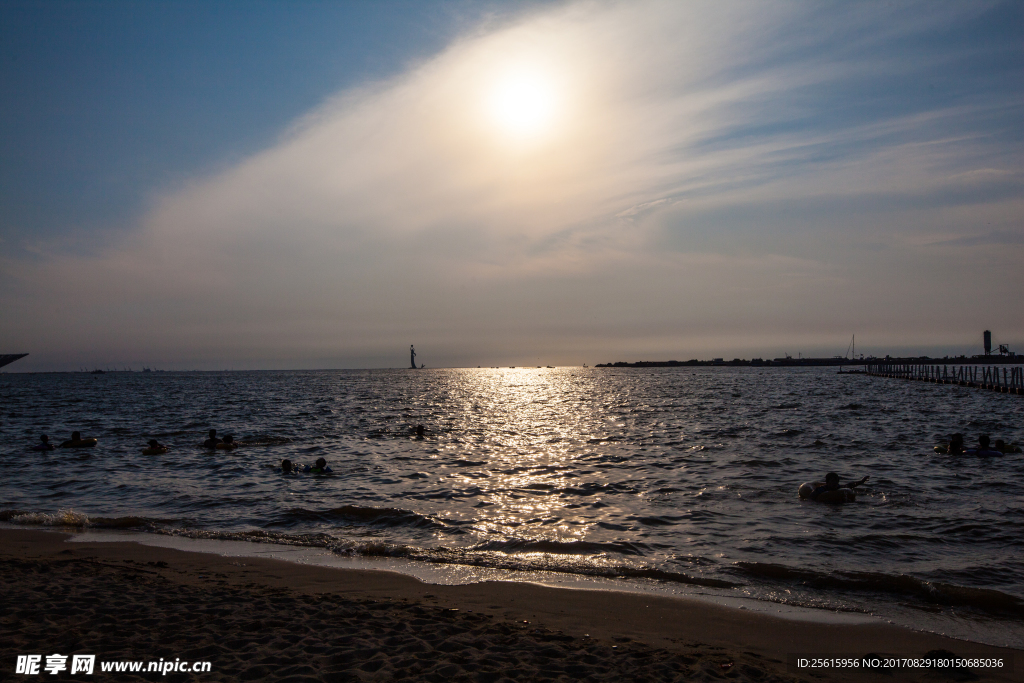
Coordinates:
<point>61,518</point>
<point>67,517</point>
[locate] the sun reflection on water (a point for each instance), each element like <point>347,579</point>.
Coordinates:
<point>525,427</point>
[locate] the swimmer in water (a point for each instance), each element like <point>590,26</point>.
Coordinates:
<point>320,467</point>
<point>286,467</point>
<point>76,441</point>
<point>955,446</point>
<point>229,441</point>
<point>420,430</point>
<point>212,441</point>
<point>984,449</point>
<point>1005,448</point>
<point>832,484</point>
<point>44,444</point>
<point>153,443</point>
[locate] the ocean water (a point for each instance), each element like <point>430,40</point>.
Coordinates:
<point>679,477</point>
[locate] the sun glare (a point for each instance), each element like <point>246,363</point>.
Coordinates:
<point>523,104</point>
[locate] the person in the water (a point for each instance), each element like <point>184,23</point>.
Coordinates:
<point>228,444</point>
<point>984,449</point>
<point>212,441</point>
<point>76,441</point>
<point>832,484</point>
<point>153,443</point>
<point>286,467</point>
<point>319,468</point>
<point>1005,448</point>
<point>44,444</point>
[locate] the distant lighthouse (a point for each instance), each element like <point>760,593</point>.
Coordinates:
<point>412,356</point>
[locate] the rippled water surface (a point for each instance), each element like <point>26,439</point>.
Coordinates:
<point>684,476</point>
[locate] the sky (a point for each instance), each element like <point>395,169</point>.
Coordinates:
<point>250,185</point>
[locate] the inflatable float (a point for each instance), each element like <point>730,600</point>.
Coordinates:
<point>983,452</point>
<point>843,495</point>
<point>155,451</point>
<point>226,446</point>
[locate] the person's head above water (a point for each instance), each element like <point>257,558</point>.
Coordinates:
<point>983,441</point>
<point>213,433</point>
<point>44,438</point>
<point>286,466</point>
<point>831,479</point>
<point>153,442</point>
<point>956,444</point>
<point>76,436</point>
<point>321,463</point>
<point>228,438</point>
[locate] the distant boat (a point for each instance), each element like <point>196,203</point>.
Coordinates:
<point>97,371</point>
<point>8,358</point>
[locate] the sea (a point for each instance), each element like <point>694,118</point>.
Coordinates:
<point>666,479</point>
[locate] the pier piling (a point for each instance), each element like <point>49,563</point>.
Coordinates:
<point>1009,381</point>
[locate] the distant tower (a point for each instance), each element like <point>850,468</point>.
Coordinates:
<point>988,343</point>
<point>412,356</point>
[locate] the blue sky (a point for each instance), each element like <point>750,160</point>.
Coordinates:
<point>321,184</point>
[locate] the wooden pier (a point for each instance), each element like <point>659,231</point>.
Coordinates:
<point>1003,379</point>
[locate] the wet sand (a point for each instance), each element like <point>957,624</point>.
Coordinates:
<point>263,619</point>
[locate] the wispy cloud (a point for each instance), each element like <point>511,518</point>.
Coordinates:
<point>998,237</point>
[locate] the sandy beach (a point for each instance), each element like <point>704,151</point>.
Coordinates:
<point>261,619</point>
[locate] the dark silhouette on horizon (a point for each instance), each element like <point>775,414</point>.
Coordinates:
<point>7,358</point>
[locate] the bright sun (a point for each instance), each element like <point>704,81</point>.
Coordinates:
<point>523,104</point>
